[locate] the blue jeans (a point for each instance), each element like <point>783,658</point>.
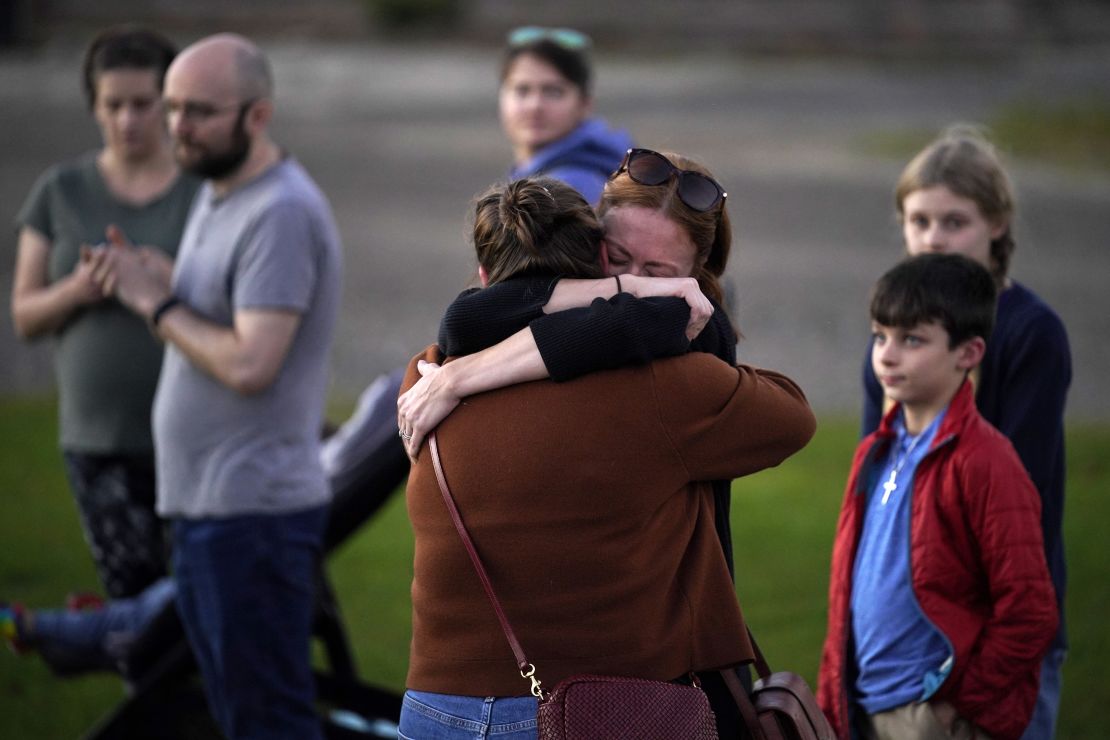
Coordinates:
<point>427,716</point>
<point>1043,724</point>
<point>246,594</point>
<point>94,639</point>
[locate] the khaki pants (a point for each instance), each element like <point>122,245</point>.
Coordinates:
<point>917,722</point>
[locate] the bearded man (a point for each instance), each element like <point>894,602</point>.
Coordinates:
<point>247,317</point>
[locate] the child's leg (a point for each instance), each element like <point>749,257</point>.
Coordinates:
<point>76,641</point>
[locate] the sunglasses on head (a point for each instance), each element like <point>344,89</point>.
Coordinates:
<point>699,192</point>
<point>567,38</point>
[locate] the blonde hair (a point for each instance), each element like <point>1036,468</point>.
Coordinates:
<point>963,160</point>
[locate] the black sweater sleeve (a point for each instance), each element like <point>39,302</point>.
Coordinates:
<point>621,331</point>
<point>718,338</point>
<point>482,317</point>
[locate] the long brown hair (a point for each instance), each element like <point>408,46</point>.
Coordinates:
<point>709,231</point>
<point>536,225</point>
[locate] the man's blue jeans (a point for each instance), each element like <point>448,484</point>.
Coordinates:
<point>427,716</point>
<point>246,595</point>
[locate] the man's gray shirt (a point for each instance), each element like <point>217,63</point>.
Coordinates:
<point>269,244</point>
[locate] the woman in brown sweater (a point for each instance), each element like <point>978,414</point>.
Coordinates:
<point>584,499</point>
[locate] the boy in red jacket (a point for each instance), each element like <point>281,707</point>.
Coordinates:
<point>940,602</point>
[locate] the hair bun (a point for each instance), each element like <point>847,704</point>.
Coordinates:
<point>526,209</point>
<point>538,225</point>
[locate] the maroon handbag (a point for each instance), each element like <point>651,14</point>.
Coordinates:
<point>585,707</point>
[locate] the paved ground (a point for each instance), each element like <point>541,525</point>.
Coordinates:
<point>402,137</point>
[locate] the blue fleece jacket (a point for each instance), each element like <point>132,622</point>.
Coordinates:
<point>583,159</point>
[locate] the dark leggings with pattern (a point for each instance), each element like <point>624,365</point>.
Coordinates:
<point>115,500</point>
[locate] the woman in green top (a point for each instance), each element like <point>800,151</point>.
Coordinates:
<point>106,361</point>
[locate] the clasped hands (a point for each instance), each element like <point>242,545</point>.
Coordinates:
<point>138,276</point>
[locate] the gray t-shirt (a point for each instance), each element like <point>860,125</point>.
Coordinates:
<point>105,358</point>
<point>271,243</point>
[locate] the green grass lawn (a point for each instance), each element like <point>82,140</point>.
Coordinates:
<point>783,524</point>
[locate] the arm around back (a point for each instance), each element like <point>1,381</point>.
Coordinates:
<point>612,333</point>
<point>728,421</point>
<point>576,333</point>
<point>481,317</point>
<point>428,400</point>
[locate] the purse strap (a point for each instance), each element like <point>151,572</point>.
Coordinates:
<point>527,670</point>
<point>762,669</point>
<point>743,703</point>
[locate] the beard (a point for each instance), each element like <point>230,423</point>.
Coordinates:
<point>218,165</point>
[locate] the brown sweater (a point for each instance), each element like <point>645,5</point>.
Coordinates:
<point>581,499</point>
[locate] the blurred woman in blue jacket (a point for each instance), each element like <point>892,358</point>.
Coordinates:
<point>546,111</point>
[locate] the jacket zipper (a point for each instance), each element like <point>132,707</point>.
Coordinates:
<point>945,669</point>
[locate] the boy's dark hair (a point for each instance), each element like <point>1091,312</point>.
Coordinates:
<point>950,289</point>
<point>125,47</point>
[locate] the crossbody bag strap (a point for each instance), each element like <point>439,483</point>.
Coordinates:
<point>743,703</point>
<point>761,668</point>
<point>740,695</point>
<point>527,670</point>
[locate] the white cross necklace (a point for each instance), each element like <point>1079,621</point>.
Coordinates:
<point>891,485</point>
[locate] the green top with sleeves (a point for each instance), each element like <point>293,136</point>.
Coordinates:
<point>106,360</point>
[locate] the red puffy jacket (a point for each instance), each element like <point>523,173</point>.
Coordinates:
<point>977,566</point>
